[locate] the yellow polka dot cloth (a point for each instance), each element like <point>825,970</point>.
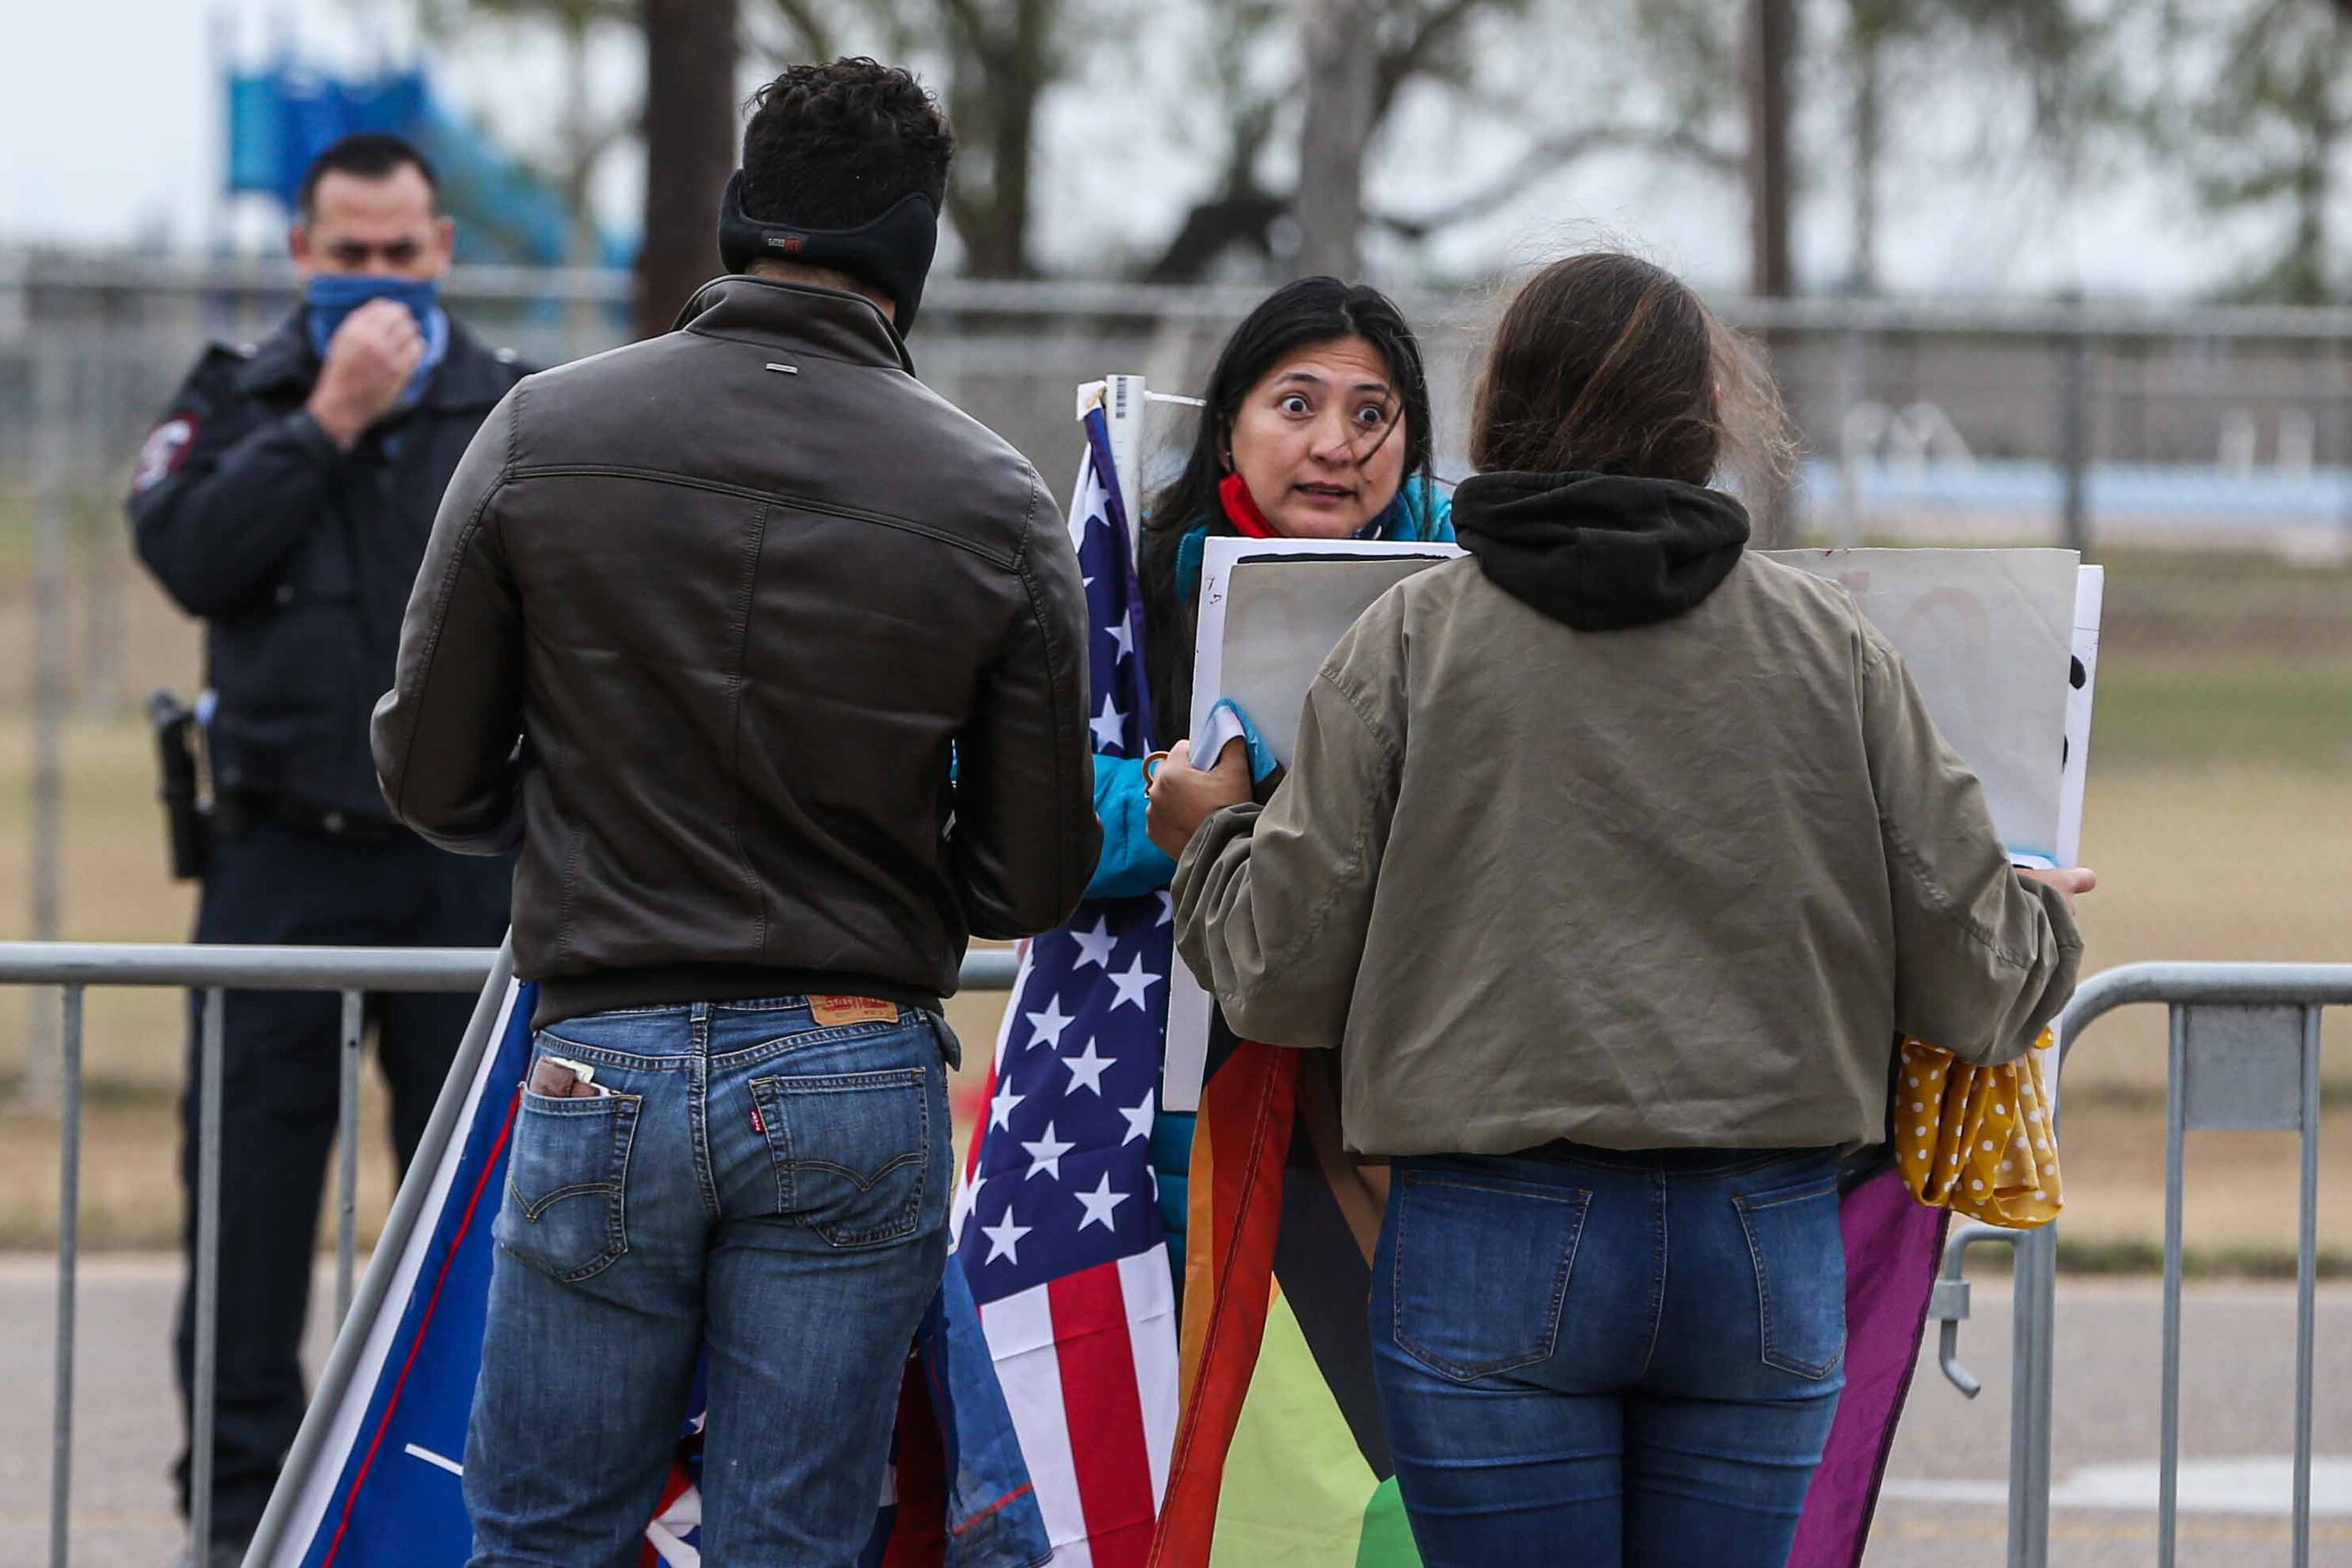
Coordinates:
<point>1980,1142</point>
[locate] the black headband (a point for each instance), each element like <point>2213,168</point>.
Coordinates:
<point>891,254</point>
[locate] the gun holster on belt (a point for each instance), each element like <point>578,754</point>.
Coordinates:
<point>187,816</point>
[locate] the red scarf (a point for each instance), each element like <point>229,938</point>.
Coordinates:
<point>1241,508</point>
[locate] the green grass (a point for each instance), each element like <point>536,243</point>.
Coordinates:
<point>2275,711</point>
<point>2143,1255</point>
<point>92,519</point>
<point>2188,602</point>
<point>101,1091</point>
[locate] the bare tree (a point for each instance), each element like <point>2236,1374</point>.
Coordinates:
<point>1771,186</point>
<point>2268,133</point>
<point>690,145</point>
<point>585,135</point>
<point>1240,208</point>
<point>2080,68</point>
<point>1871,26</point>
<point>1002,59</point>
<point>1006,55</point>
<point>1343,64</point>
<point>1401,42</point>
<point>1686,58</point>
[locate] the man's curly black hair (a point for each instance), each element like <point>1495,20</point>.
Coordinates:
<point>833,146</point>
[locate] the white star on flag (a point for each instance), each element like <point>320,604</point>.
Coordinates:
<point>1096,946</point>
<point>966,1202</point>
<point>1056,1374</point>
<point>1004,1239</point>
<point>1045,1155</point>
<point>1110,727</point>
<point>1100,1202</point>
<point>1049,1024</point>
<point>1167,907</point>
<point>1135,987</point>
<point>1087,1069</point>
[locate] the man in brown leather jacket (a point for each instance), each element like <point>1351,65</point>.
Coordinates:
<point>772,664</point>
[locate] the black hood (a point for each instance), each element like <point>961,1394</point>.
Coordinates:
<point>1599,552</point>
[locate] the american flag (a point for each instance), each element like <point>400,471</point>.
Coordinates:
<point>1057,1225</point>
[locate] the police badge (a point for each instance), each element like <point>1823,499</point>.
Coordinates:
<point>165,450</point>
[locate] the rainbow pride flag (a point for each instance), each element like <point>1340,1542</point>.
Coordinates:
<point>1281,1456</point>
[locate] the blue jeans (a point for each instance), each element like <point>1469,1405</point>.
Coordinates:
<point>1599,1358</point>
<point>757,1186</point>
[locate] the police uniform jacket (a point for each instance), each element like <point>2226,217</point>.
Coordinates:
<point>299,556</point>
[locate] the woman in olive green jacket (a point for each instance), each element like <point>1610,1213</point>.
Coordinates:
<point>1615,859</point>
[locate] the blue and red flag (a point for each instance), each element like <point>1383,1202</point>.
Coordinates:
<point>376,1479</point>
<point>1059,1225</point>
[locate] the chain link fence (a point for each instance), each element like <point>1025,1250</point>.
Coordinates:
<point>2204,455</point>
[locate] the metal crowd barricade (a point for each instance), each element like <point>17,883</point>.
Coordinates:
<point>214,971</point>
<point>2244,1055</point>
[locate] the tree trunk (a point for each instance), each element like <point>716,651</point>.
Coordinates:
<point>690,149</point>
<point>1869,136</point>
<point>1771,50</point>
<point>584,246</point>
<point>2308,282</point>
<point>999,79</point>
<point>1342,71</point>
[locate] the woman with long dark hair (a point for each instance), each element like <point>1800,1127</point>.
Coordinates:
<point>1316,425</point>
<point>1618,858</point>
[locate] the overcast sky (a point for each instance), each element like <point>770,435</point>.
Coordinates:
<point>110,120</point>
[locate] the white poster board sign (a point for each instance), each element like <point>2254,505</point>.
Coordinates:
<point>1988,636</point>
<point>1271,612</point>
<point>2003,644</point>
<point>2089,603</point>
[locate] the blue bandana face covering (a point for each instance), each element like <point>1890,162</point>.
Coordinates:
<point>329,299</point>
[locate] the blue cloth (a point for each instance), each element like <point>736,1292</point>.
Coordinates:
<point>993,1519</point>
<point>329,299</point>
<point>1171,1162</point>
<point>1262,762</point>
<point>1610,1348</point>
<point>758,1185</point>
<point>1131,865</point>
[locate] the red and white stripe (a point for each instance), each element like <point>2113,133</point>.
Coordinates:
<point>679,1516</point>
<point>1021,951</point>
<point>1087,1363</point>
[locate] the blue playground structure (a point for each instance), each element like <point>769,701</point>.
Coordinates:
<point>282,117</point>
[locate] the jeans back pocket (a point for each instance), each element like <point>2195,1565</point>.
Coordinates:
<point>1797,1248</point>
<point>566,1209</point>
<point>1481,1268</point>
<point>853,1150</point>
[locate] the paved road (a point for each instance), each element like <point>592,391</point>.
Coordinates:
<point>1945,1500</point>
<point>1943,1507</point>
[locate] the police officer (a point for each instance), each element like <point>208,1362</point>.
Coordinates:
<point>285,499</point>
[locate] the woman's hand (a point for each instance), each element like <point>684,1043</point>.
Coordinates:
<point>2071,881</point>
<point>1184,796</point>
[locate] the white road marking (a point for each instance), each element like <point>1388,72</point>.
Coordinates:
<point>2259,1484</point>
